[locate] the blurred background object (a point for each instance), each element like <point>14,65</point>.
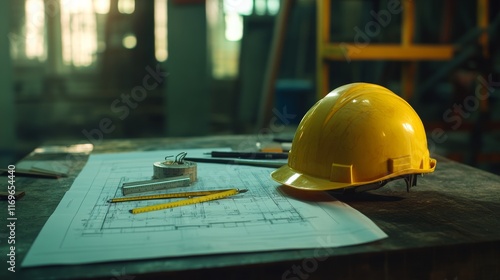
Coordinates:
<point>89,70</point>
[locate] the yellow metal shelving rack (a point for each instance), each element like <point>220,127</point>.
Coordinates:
<point>407,52</point>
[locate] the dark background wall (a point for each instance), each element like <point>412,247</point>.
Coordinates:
<point>47,101</point>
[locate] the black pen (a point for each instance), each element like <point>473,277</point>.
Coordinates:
<point>239,161</point>
<point>249,155</point>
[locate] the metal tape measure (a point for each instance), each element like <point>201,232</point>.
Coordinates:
<point>166,175</point>
<point>174,168</point>
<point>155,185</point>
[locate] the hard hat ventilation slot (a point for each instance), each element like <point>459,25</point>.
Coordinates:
<point>341,173</point>
<point>399,164</point>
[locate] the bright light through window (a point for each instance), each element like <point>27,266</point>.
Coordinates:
<point>242,7</point>
<point>234,27</point>
<point>126,6</point>
<point>273,6</point>
<point>35,22</point>
<point>78,32</point>
<point>129,41</point>
<point>235,9</point>
<point>225,22</point>
<point>161,46</point>
<point>260,7</point>
<point>247,7</point>
<point>101,6</point>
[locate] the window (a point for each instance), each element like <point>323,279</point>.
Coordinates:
<point>225,22</point>
<point>35,31</point>
<point>161,47</point>
<point>79,32</point>
<point>80,35</point>
<point>27,38</point>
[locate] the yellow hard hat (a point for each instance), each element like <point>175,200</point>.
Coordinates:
<point>360,134</point>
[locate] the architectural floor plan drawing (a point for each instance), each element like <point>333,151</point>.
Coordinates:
<point>86,228</point>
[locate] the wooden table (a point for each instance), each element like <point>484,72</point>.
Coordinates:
<point>447,227</point>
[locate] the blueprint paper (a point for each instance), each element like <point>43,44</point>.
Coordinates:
<point>85,228</point>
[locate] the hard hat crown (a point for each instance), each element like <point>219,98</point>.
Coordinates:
<point>358,134</point>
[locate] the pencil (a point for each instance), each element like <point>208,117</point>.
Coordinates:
<point>249,155</point>
<point>237,161</point>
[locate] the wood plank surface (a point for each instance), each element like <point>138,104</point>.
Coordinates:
<point>447,227</point>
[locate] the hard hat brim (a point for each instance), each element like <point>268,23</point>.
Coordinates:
<point>295,179</point>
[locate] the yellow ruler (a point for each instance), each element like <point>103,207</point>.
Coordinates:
<point>165,196</point>
<point>200,199</point>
